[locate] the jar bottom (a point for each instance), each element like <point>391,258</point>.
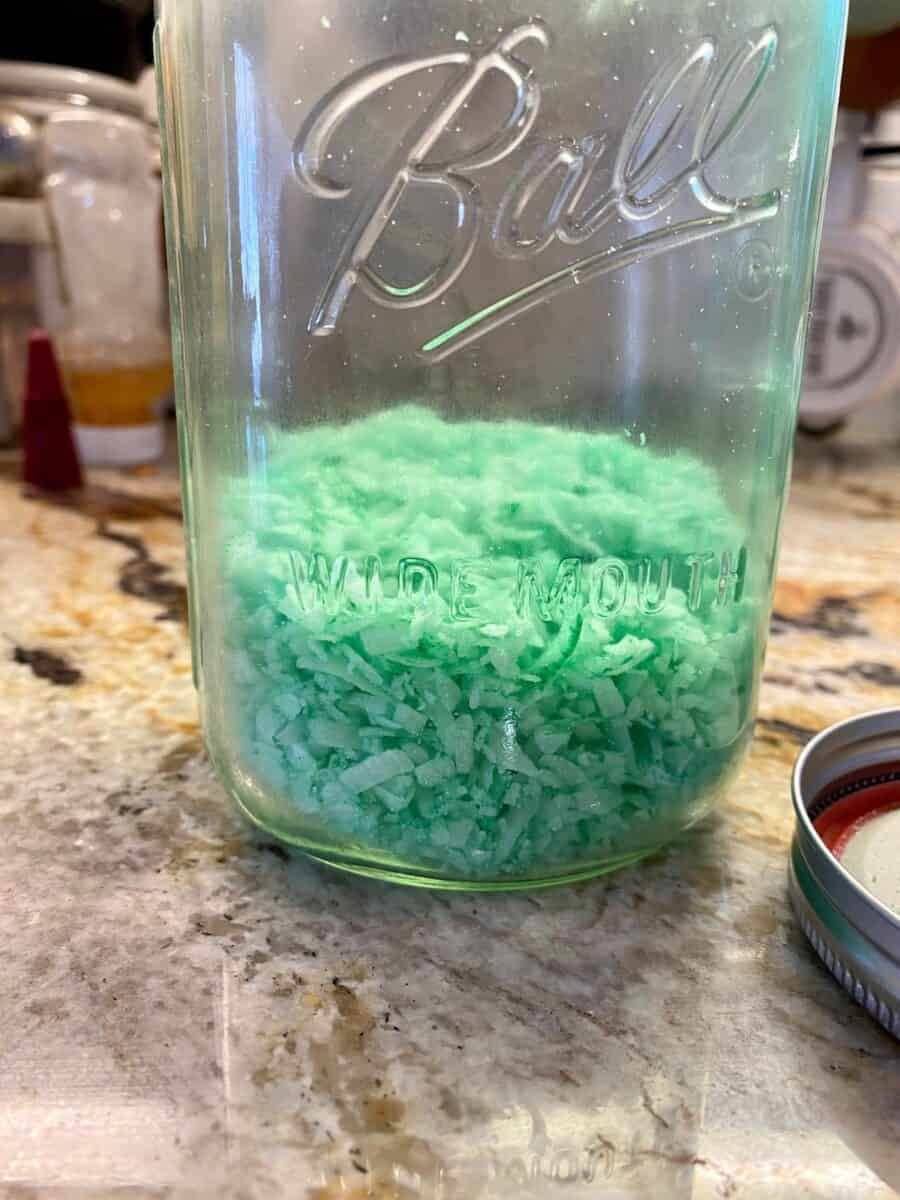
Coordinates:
<point>420,877</point>
<point>411,879</point>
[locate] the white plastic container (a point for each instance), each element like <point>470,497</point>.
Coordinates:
<point>80,255</point>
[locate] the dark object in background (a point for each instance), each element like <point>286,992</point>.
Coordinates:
<point>96,35</point>
<point>51,461</point>
<point>871,79</point>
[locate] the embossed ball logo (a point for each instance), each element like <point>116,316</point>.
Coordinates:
<point>696,104</point>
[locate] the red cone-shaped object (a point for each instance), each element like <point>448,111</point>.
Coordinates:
<point>51,461</point>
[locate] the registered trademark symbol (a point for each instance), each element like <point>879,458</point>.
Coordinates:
<point>754,267</point>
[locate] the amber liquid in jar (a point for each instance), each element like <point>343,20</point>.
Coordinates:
<point>117,396</point>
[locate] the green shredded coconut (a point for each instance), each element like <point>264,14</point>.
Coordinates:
<point>484,649</point>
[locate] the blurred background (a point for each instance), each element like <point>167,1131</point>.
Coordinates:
<point>82,249</point>
<point>81,236</point>
<point>112,36</point>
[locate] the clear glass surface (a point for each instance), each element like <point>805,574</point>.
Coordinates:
<point>489,330</point>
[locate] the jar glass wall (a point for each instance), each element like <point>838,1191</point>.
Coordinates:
<point>489,336</point>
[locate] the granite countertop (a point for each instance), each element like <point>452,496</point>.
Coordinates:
<point>188,1011</point>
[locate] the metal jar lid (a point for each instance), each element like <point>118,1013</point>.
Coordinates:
<point>852,773</point>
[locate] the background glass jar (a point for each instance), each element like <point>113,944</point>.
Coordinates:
<point>490,330</point>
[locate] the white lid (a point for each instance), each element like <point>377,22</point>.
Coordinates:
<point>67,85</point>
<point>119,445</point>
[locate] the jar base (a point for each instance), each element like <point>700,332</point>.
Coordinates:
<point>446,884</point>
<point>410,877</point>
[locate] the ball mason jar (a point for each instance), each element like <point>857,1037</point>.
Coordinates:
<point>489,326</point>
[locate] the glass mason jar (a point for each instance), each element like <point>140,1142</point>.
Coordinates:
<point>489,334</point>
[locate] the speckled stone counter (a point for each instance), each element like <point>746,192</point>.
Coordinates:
<point>188,1011</point>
